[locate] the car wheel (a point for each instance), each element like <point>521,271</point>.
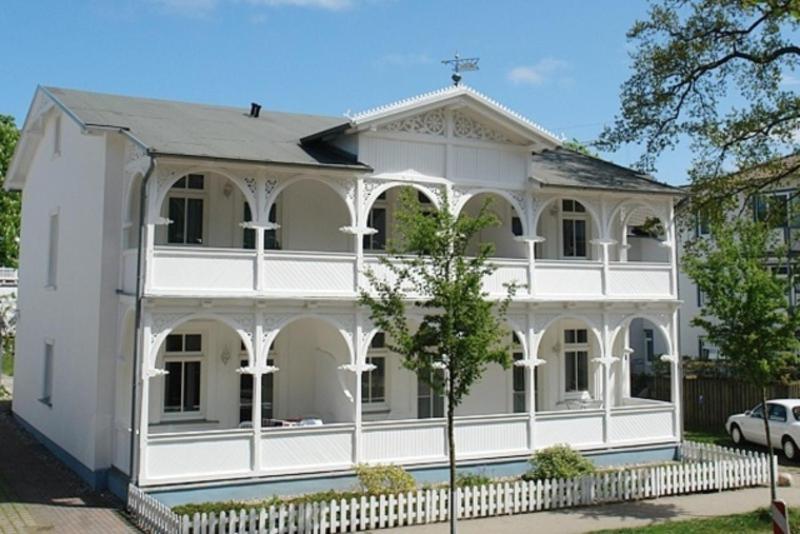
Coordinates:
<point>736,435</point>
<point>789,448</point>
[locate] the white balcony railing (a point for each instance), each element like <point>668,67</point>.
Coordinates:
<point>174,457</point>
<point>214,271</point>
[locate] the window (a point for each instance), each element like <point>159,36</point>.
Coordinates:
<point>246,394</point>
<point>377,220</point>
<point>701,298</point>
<point>47,374</point>
<point>758,412</point>
<point>57,136</point>
<point>52,251</point>
<point>649,344</point>
<point>270,236</point>
<point>518,376</point>
<point>183,363</point>
<point>777,412</point>
<point>516,225</point>
<point>702,226</point>
<point>185,210</point>
<point>573,229</point>
<point>780,209</point>
<point>576,360</point>
<point>706,350</point>
<point>430,404</point>
<point>796,412</point>
<point>373,383</point>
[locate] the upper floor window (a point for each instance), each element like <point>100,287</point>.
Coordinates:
<point>576,360</point>
<point>702,225</point>
<point>186,210</point>
<point>706,350</point>
<point>377,220</point>
<point>573,229</point>
<point>778,209</point>
<point>183,362</point>
<point>52,251</point>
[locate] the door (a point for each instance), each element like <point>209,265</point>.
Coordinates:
<point>777,423</point>
<point>753,426</point>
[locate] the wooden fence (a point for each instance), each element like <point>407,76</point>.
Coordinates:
<point>708,402</point>
<point>705,468</point>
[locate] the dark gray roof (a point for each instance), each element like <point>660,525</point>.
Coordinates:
<point>562,167</point>
<point>200,130</point>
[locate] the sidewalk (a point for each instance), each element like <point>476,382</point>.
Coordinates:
<point>39,494</point>
<point>615,516</point>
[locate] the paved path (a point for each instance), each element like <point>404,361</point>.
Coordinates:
<point>39,494</point>
<point>616,516</point>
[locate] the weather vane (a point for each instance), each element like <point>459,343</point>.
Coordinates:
<point>461,64</point>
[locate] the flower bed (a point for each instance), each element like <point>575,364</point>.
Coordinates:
<point>703,468</point>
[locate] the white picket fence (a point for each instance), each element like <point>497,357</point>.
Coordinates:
<point>705,468</point>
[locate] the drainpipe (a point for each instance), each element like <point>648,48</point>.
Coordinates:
<point>132,471</point>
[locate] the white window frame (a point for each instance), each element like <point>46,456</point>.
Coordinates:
<point>184,357</point>
<point>574,216</point>
<point>48,367</point>
<point>575,347</point>
<point>53,231</point>
<point>187,193</point>
<point>369,405</point>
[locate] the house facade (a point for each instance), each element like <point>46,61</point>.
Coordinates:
<point>190,275</point>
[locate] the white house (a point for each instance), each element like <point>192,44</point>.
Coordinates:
<point>213,256</point>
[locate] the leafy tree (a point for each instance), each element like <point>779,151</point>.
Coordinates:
<point>714,73</point>
<point>746,313</point>
<point>577,146</point>
<point>9,200</point>
<point>460,331</point>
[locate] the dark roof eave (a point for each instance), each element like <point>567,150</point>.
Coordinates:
<point>319,136</point>
<point>331,166</point>
<point>674,192</point>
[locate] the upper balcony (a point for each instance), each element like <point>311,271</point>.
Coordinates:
<point>558,247</point>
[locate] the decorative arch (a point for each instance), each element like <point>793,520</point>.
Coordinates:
<point>242,325</point>
<point>597,221</point>
<point>380,187</point>
<point>593,327</point>
<point>516,203</point>
<point>246,185</point>
<point>275,188</point>
<point>659,323</point>
<point>274,325</point>
<point>637,203</point>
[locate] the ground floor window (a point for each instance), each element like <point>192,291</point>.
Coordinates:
<point>518,376</point>
<point>430,404</point>
<point>373,383</point>
<point>183,363</point>
<point>576,360</point>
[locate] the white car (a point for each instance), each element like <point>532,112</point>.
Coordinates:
<point>784,426</point>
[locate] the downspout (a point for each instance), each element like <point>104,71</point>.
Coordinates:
<point>132,471</point>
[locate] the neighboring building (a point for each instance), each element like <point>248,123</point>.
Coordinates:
<point>779,206</point>
<point>8,282</point>
<point>256,231</point>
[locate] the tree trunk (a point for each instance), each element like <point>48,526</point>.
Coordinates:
<point>451,449</point>
<point>772,486</point>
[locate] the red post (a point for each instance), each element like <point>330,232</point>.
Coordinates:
<point>780,519</point>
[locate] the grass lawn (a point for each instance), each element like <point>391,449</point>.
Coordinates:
<point>714,438</point>
<point>754,522</point>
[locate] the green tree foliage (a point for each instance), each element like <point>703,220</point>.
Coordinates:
<point>460,331</point>
<point>746,312</point>
<point>10,201</point>
<point>714,73</point>
<point>577,146</point>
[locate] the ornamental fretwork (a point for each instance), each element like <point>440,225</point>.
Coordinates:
<point>468,128</point>
<point>431,123</point>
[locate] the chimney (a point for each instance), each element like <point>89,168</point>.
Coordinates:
<point>255,110</point>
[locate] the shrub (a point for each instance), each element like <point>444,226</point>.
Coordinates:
<point>377,479</point>
<point>472,479</point>
<point>559,461</point>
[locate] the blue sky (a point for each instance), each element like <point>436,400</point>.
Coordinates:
<point>558,63</point>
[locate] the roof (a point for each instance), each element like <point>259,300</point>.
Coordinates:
<point>201,130</point>
<point>562,167</point>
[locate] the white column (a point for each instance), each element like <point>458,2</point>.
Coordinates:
<point>361,360</point>
<point>676,394</point>
<point>260,356</point>
<point>626,363</point>
<point>606,361</point>
<point>145,372</point>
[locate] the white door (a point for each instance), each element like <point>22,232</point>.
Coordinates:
<point>753,426</point>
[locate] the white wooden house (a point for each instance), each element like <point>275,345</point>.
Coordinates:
<point>213,256</point>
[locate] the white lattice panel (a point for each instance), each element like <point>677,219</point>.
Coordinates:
<point>491,437</point>
<point>641,425</point>
<point>412,441</point>
<point>196,457</point>
<point>305,448</point>
<point>309,274</point>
